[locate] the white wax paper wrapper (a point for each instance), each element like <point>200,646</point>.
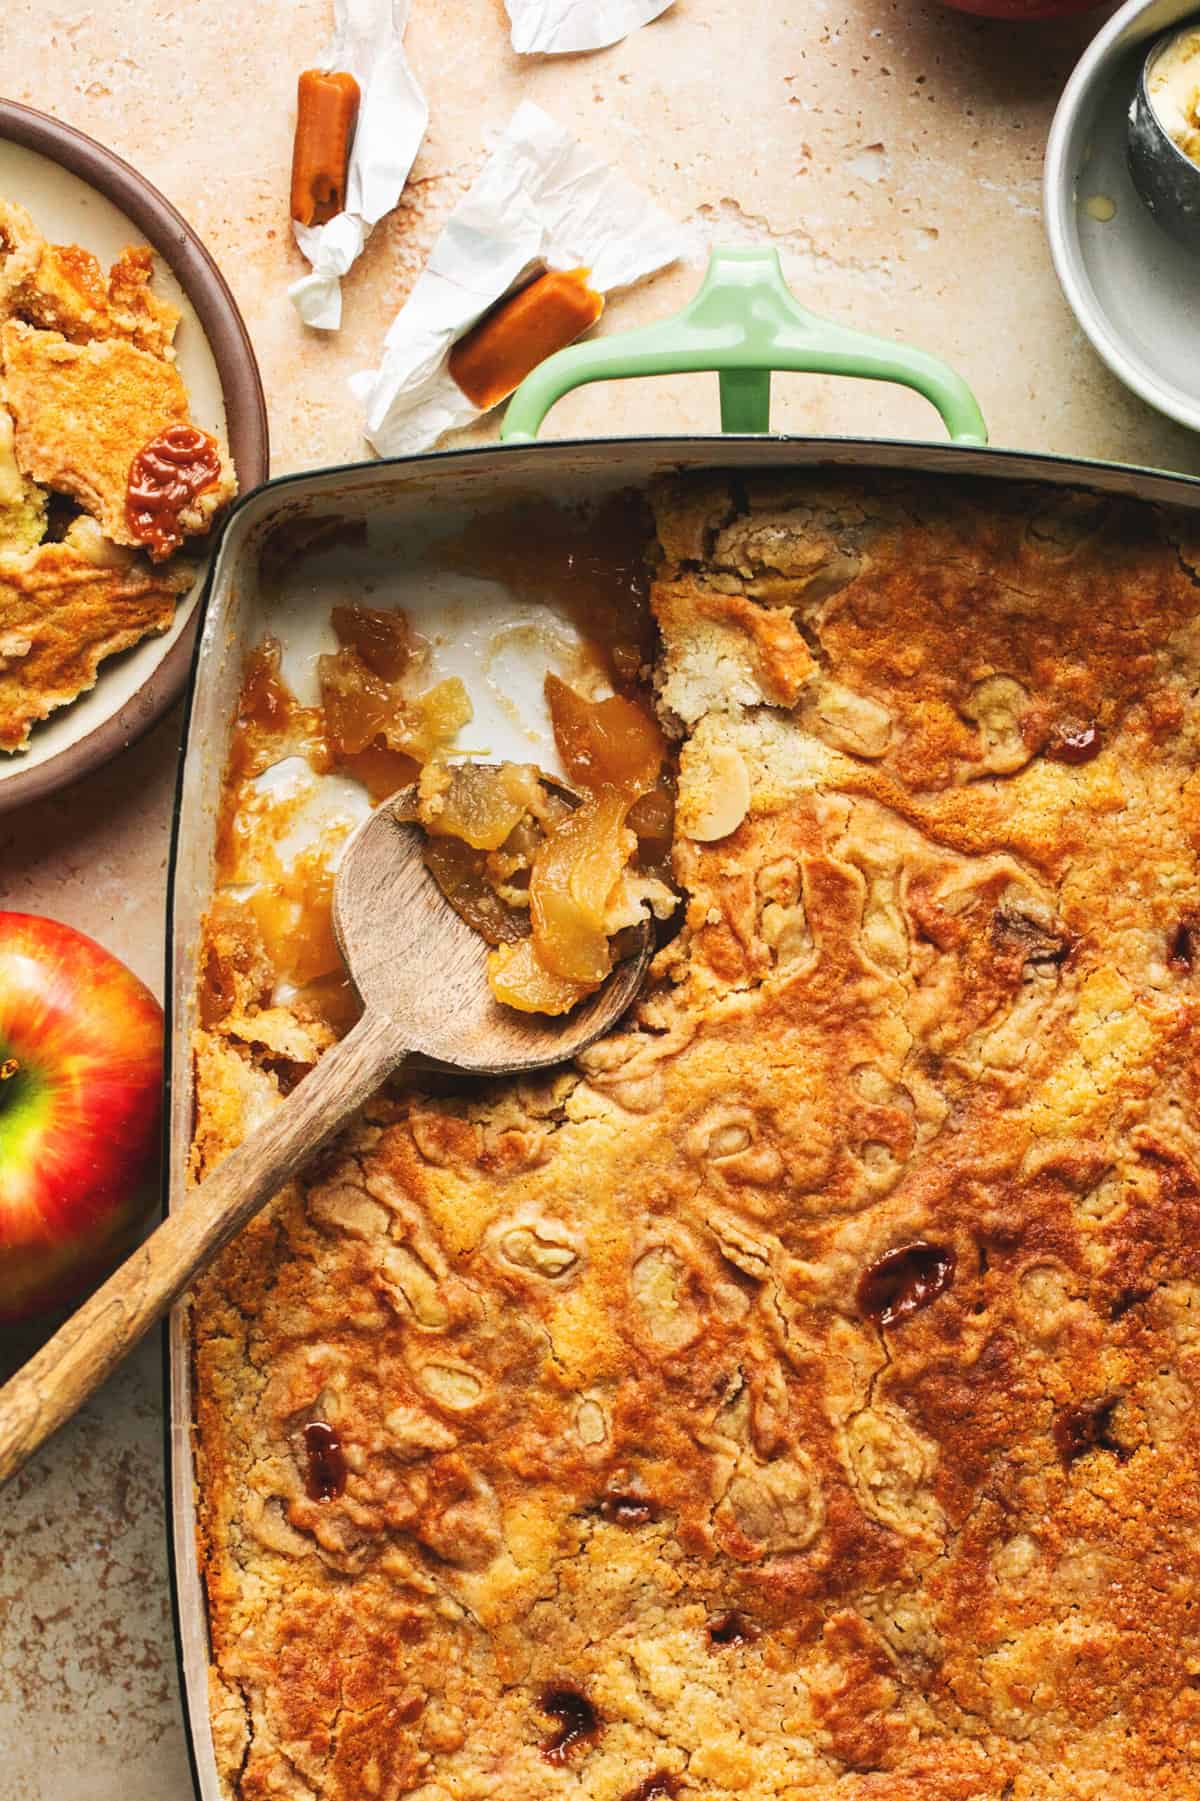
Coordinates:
<point>368,42</point>
<point>541,200</point>
<point>556,27</point>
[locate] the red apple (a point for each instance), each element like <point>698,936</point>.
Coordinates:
<point>80,1102</point>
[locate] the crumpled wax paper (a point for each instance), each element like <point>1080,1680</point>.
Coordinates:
<point>557,27</point>
<point>541,201</point>
<point>368,42</point>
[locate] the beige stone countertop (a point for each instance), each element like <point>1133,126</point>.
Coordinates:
<point>890,148</point>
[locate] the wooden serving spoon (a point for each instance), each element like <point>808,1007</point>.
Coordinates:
<point>420,973</point>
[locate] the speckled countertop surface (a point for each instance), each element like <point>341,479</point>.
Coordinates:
<point>891,149</point>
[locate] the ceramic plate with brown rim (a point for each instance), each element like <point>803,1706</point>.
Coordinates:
<point>80,193</point>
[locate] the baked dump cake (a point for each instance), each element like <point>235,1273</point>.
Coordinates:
<point>102,472</point>
<point>795,1396</point>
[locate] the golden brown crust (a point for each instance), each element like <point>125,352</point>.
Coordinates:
<point>87,378</point>
<point>83,411</point>
<point>620,1420</point>
<point>61,613</point>
<point>61,287</point>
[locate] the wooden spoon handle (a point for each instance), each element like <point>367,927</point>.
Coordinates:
<point>56,1381</point>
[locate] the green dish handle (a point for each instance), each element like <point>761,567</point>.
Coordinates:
<point>743,323</point>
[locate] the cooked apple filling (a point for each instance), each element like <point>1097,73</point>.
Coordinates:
<point>552,876</point>
<point>555,886</point>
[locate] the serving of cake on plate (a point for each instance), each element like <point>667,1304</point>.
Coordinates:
<point>102,472</point>
<point>796,1396</point>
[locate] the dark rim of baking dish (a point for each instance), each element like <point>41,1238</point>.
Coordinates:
<point>430,460</point>
<point>241,385</point>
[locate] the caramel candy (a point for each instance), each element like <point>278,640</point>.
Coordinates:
<point>519,332</point>
<point>327,112</point>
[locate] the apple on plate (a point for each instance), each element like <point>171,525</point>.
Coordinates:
<point>81,1045</point>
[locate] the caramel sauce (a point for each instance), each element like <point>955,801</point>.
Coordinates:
<point>592,568</point>
<point>380,770</point>
<point>578,1722</point>
<point>326,1478</point>
<point>228,954</point>
<point>270,724</point>
<point>1181,947</point>
<point>165,476</point>
<point>294,916</point>
<point>904,1282</point>
<point>731,1629</point>
<point>662,1786</point>
<point>1088,1427</point>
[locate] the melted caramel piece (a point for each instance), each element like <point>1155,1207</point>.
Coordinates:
<point>731,1629</point>
<point>904,1281</point>
<point>1181,946</point>
<point>578,1722</point>
<point>164,478</point>
<point>1088,1427</point>
<point>326,1476</point>
<point>265,699</point>
<point>662,1786</point>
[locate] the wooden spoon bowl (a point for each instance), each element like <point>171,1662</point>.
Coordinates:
<point>451,1017</point>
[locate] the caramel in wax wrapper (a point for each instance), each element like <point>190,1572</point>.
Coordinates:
<point>542,201</point>
<point>367,43</point>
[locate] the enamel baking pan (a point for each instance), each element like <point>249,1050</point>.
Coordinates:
<point>742,324</point>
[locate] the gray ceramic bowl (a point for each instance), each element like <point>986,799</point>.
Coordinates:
<point>1131,286</point>
<point>78,191</point>
<point>1167,180</point>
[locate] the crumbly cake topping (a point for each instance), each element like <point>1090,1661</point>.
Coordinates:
<point>65,607</point>
<point>87,379</point>
<point>796,1396</point>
